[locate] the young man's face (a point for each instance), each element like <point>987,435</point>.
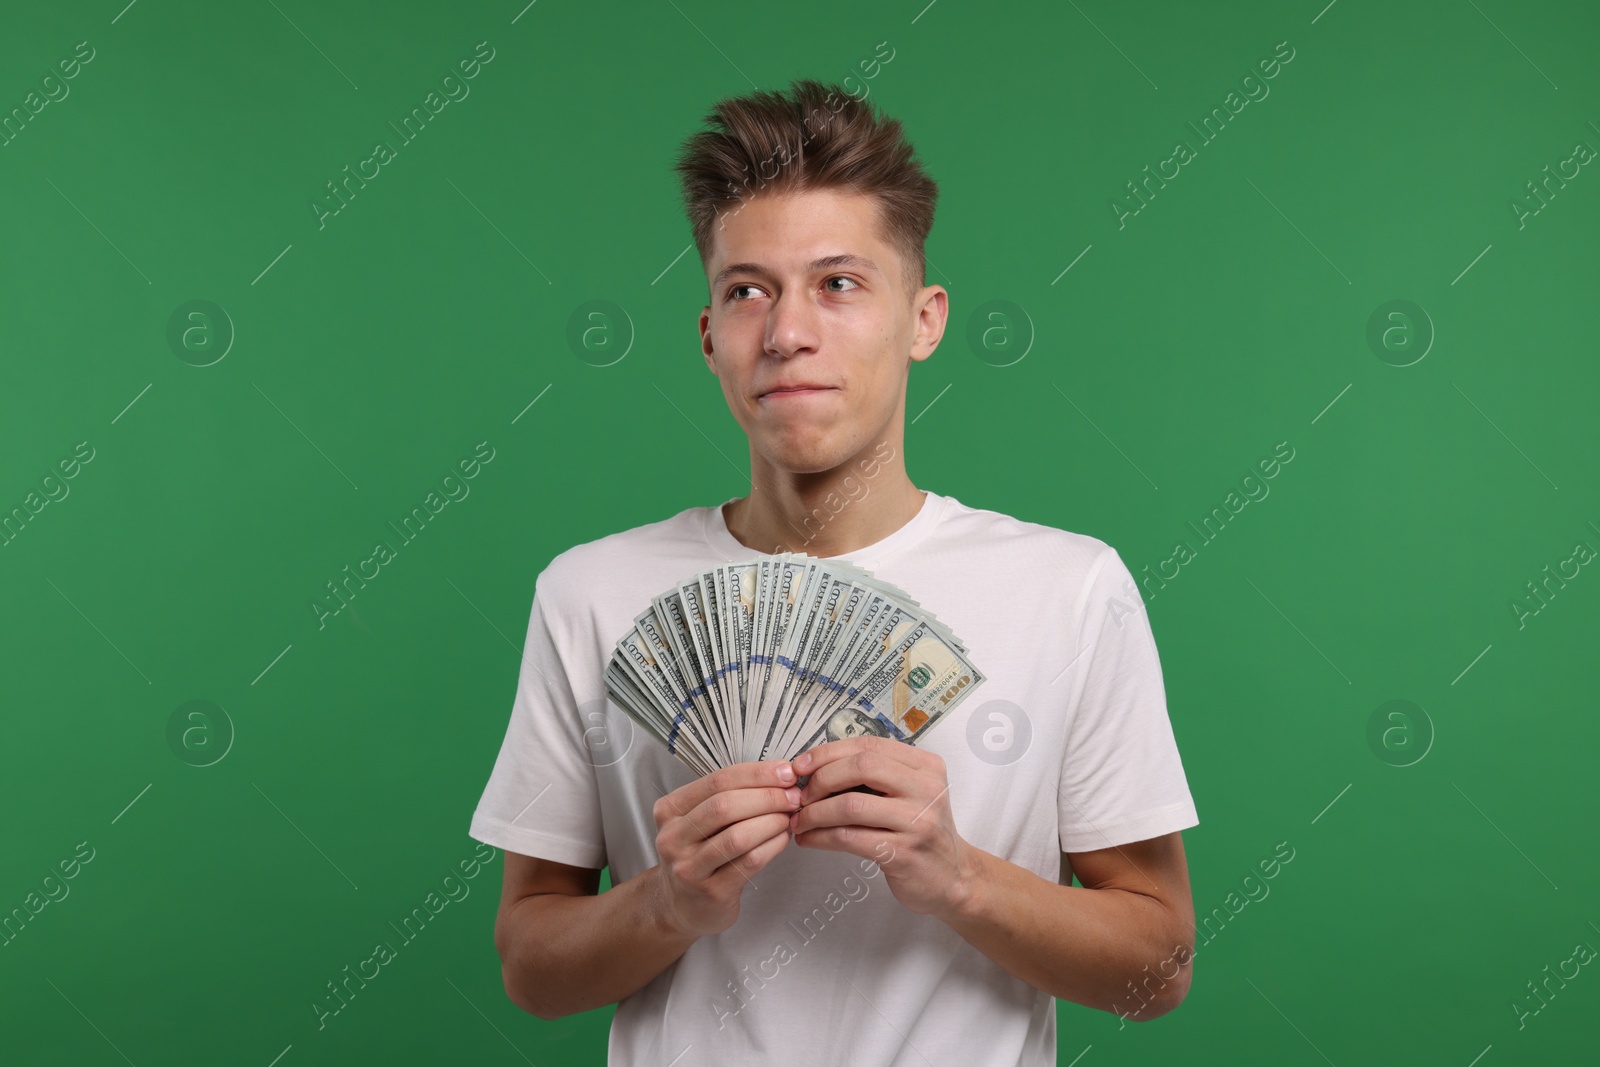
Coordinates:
<point>780,318</point>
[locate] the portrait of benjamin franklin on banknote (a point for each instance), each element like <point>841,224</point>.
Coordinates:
<point>851,722</point>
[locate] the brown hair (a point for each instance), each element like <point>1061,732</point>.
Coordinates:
<point>814,137</point>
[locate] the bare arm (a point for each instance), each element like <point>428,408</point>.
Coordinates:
<point>1121,942</point>
<point>565,947</point>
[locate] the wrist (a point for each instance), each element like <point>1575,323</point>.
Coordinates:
<point>661,918</point>
<point>965,899</point>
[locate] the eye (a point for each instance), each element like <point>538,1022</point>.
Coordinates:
<point>733,291</point>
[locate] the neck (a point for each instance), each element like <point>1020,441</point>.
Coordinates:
<point>826,513</point>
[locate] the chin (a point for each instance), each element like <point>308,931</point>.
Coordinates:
<point>803,464</point>
<point>807,458</point>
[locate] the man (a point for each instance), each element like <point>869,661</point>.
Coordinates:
<point>929,917</point>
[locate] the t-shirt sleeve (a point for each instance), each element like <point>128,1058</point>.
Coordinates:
<point>542,798</point>
<point>1121,777</point>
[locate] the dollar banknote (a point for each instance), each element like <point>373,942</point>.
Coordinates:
<point>764,658</point>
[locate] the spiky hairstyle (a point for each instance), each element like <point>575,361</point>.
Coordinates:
<point>815,136</point>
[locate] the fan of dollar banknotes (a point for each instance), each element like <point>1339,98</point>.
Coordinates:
<point>765,658</point>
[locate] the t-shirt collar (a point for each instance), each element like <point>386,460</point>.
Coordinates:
<point>727,547</point>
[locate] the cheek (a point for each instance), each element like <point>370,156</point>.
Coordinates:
<point>743,410</point>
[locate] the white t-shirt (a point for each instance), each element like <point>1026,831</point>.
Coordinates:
<point>1065,747</point>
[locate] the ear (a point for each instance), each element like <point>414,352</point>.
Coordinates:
<point>933,309</point>
<point>705,338</point>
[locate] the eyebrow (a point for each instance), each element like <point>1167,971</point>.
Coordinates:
<point>843,259</point>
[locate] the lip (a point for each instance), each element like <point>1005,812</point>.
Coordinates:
<point>797,390</point>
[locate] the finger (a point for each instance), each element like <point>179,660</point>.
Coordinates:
<point>866,765</point>
<point>853,839</point>
<point>809,761</point>
<point>736,776</point>
<point>751,863</point>
<point>753,774</point>
<point>853,809</point>
<point>723,810</point>
<point>733,843</point>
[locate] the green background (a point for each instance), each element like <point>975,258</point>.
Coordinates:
<point>362,359</point>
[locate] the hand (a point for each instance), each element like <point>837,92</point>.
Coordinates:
<point>714,834</point>
<point>905,824</point>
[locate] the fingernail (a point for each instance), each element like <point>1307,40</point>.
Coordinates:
<point>793,794</point>
<point>785,773</point>
<point>802,762</point>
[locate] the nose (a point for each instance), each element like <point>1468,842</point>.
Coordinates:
<point>791,324</point>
